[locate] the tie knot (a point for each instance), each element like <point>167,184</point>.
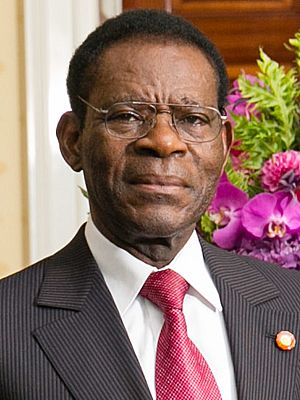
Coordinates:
<point>166,289</point>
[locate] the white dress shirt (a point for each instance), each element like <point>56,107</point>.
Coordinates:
<point>125,275</point>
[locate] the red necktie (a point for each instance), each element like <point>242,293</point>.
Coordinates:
<point>181,372</point>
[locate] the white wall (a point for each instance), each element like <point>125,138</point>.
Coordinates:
<point>40,204</point>
<point>53,29</point>
<point>13,206</point>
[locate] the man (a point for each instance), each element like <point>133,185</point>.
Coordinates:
<point>148,130</point>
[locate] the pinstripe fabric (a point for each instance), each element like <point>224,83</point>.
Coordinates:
<point>61,334</point>
<point>259,301</point>
<point>61,337</point>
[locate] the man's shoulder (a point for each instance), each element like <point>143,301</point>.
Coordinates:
<point>35,271</point>
<point>68,270</point>
<point>23,280</point>
<point>287,279</point>
<point>280,276</point>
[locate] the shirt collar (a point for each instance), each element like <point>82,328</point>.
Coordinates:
<point>125,274</point>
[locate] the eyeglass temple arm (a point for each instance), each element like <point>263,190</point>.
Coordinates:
<point>98,110</point>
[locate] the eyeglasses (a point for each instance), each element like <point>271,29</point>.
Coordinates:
<point>134,119</point>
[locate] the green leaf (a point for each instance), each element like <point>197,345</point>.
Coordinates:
<point>294,45</point>
<point>84,192</point>
<point>206,227</point>
<point>274,126</point>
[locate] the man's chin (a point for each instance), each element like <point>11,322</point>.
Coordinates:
<point>160,225</point>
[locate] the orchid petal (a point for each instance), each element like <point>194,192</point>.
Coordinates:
<point>224,178</point>
<point>229,196</point>
<point>227,237</point>
<point>291,212</point>
<point>256,214</point>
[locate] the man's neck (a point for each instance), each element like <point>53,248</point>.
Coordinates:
<point>155,251</point>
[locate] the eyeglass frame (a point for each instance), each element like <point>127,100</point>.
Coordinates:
<point>223,118</point>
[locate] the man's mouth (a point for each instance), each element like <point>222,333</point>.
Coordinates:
<point>164,184</point>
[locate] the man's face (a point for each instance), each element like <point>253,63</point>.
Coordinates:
<point>155,186</point>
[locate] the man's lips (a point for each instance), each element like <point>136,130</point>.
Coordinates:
<point>158,183</point>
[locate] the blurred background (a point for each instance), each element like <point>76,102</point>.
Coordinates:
<point>41,206</point>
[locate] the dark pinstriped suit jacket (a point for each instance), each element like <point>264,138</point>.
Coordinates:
<point>61,336</point>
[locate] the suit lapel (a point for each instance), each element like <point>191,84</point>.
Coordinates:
<point>262,371</point>
<point>88,345</point>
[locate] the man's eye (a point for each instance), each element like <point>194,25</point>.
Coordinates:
<point>195,119</point>
<point>125,117</point>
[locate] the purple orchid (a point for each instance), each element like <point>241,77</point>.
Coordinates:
<point>225,211</point>
<point>237,104</point>
<point>271,215</point>
<point>284,252</point>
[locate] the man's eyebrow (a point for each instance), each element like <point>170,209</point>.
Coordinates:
<point>123,99</point>
<point>128,98</point>
<point>189,101</point>
<point>181,100</point>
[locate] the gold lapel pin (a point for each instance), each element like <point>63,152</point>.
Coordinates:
<point>285,340</point>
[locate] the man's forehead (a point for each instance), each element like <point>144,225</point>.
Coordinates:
<point>157,72</point>
<point>128,57</point>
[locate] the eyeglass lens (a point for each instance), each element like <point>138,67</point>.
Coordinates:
<point>193,123</point>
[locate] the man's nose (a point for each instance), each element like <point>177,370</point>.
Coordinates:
<point>162,140</point>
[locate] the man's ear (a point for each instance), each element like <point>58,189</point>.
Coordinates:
<point>227,138</point>
<point>69,135</point>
